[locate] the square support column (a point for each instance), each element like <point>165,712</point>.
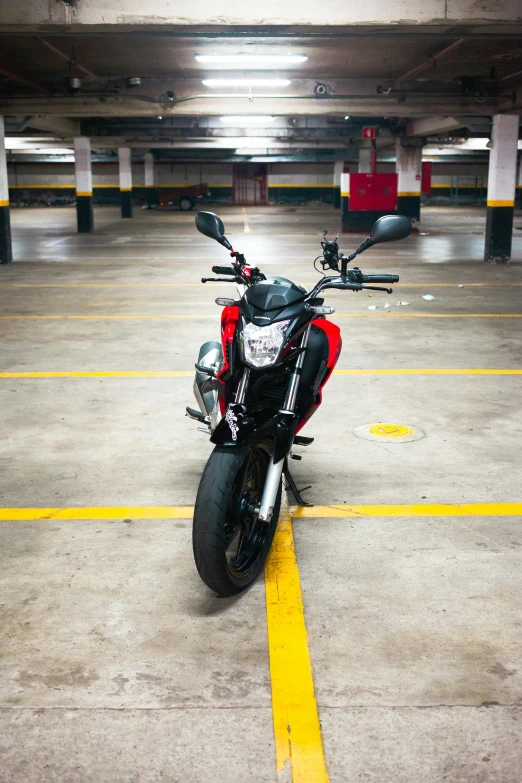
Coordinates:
<point>409,179</point>
<point>83,175</point>
<point>6,250</point>
<point>365,160</point>
<point>501,188</point>
<point>338,170</point>
<point>518,194</point>
<point>152,199</point>
<point>345,202</point>
<point>124,156</point>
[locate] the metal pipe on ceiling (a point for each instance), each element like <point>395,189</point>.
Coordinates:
<point>22,80</point>
<point>70,60</point>
<point>427,63</point>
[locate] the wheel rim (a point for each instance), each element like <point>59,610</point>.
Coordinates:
<point>245,533</point>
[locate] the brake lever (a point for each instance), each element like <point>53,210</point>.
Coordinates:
<point>378,288</point>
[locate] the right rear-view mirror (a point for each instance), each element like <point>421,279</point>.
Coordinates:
<point>390,228</point>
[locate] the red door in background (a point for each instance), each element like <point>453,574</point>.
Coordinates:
<point>249,184</point>
<point>426,177</point>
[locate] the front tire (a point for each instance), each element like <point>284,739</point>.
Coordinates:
<point>230,542</point>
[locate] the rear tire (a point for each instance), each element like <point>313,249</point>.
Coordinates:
<point>232,479</point>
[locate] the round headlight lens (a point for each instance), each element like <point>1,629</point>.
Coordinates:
<point>261,345</point>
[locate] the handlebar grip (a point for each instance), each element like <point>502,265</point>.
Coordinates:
<point>380,278</point>
<point>223,270</point>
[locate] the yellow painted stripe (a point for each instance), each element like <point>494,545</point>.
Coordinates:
<point>190,373</point>
<point>415,510</point>
<point>409,193</point>
<point>102,374</point>
<point>26,514</point>
<point>428,372</point>
<point>345,195</point>
<point>88,193</point>
<point>97,512</point>
<point>301,185</point>
<point>125,190</point>
<point>198,285</point>
<point>508,203</point>
<point>4,203</point>
<point>297,732</point>
<point>100,317</point>
<point>196,316</point>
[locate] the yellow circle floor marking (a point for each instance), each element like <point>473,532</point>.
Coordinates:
<point>390,430</point>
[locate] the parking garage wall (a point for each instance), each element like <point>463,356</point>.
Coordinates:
<point>50,183</point>
<point>53,183</point>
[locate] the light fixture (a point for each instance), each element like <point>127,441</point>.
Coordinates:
<point>347,117</point>
<point>247,119</point>
<point>242,59</point>
<point>159,117</point>
<point>246,82</point>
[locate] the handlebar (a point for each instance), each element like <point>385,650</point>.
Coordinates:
<point>223,270</point>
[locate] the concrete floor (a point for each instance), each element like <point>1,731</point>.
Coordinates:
<point>116,664</point>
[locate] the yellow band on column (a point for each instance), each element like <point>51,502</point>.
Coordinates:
<point>4,203</point>
<point>125,190</point>
<point>78,193</point>
<point>409,193</point>
<point>508,203</point>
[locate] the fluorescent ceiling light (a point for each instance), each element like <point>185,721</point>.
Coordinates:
<point>242,59</point>
<point>247,119</point>
<point>246,82</point>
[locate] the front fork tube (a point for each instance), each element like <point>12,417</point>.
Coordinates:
<point>275,469</point>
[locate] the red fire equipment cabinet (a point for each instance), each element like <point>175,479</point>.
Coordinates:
<point>370,197</point>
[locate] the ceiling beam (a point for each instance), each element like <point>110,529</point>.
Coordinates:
<point>127,15</point>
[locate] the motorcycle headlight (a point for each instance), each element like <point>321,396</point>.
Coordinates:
<point>261,345</point>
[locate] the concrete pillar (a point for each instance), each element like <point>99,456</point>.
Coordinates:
<point>6,252</point>
<point>409,170</point>
<point>365,160</point>
<point>345,202</point>
<point>124,156</point>
<point>83,174</point>
<point>518,195</point>
<point>149,180</point>
<point>338,170</point>
<point>501,187</point>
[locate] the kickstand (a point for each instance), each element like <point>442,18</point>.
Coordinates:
<point>293,487</point>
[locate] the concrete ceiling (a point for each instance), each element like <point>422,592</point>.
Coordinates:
<point>384,62</point>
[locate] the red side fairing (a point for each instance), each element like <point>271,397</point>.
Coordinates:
<point>229,322</point>
<point>335,344</point>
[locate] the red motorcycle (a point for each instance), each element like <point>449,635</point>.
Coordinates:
<point>256,390</point>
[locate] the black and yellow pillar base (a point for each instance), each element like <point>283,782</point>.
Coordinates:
<point>84,213</point>
<point>6,248</point>
<point>152,196</point>
<point>337,198</point>
<point>408,204</point>
<point>499,231</point>
<point>126,202</point>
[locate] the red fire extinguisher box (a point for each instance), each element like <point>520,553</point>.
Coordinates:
<point>376,192</point>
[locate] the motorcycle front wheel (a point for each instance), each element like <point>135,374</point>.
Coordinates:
<point>230,542</point>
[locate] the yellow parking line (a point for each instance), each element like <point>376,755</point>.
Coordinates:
<point>195,316</point>
<point>101,374</point>
<point>197,285</point>
<point>190,373</point>
<point>22,514</point>
<point>414,510</point>
<point>96,512</point>
<point>297,732</point>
